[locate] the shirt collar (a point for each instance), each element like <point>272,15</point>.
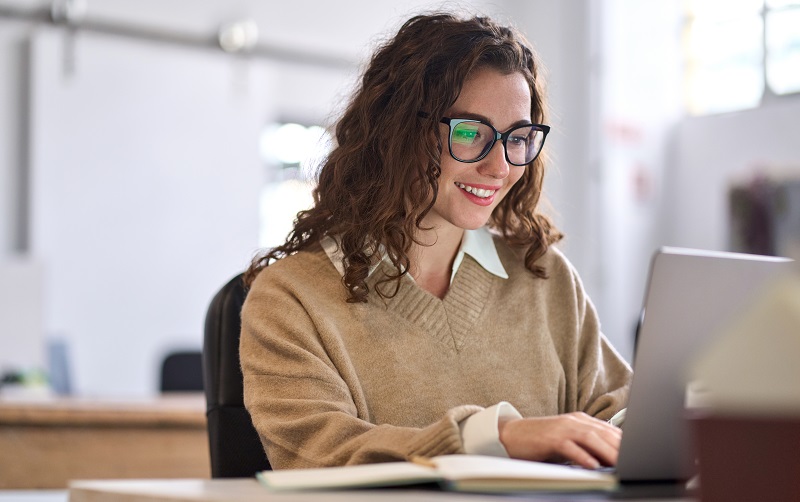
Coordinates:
<point>479,244</point>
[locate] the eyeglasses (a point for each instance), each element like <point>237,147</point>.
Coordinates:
<point>471,140</point>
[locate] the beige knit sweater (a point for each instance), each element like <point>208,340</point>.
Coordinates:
<point>329,382</point>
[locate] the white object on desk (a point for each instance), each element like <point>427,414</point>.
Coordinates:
<point>752,367</point>
<point>34,496</point>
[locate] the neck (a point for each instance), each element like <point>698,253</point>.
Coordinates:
<point>432,260</point>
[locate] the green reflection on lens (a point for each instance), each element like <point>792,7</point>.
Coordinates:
<point>465,133</point>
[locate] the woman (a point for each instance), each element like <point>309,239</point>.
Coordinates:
<point>418,308</point>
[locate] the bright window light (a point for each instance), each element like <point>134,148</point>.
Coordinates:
<point>725,53</point>
<point>291,153</point>
<point>778,4</point>
<point>280,202</point>
<point>783,49</point>
<point>735,49</point>
<point>722,10</point>
<point>292,144</point>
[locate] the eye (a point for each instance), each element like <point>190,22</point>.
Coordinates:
<point>521,137</point>
<point>518,140</point>
<point>465,133</point>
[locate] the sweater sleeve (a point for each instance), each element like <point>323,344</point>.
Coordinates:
<point>603,375</point>
<point>302,405</point>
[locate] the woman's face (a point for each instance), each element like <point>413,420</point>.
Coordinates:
<point>469,192</point>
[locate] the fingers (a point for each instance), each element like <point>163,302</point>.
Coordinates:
<point>575,437</point>
<point>597,439</point>
<point>575,454</point>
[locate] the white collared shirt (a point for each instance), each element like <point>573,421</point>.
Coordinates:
<point>480,246</point>
<point>479,432</point>
<point>476,243</point>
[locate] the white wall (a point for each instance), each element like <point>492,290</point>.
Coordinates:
<point>639,102</point>
<point>144,184</point>
<point>560,34</point>
<point>21,319</point>
<point>710,152</point>
<point>145,180</point>
<point>21,315</point>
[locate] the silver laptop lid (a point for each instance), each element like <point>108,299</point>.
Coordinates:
<point>690,295</point>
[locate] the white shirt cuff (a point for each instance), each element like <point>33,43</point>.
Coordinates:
<point>480,433</point>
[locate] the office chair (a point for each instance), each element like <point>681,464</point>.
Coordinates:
<point>234,445</point>
<point>182,371</point>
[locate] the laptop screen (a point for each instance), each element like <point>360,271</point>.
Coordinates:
<point>691,295</point>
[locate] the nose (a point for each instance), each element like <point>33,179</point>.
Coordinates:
<point>495,164</point>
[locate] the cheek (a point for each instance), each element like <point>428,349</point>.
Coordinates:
<point>449,167</point>
<point>513,178</point>
<point>515,175</point>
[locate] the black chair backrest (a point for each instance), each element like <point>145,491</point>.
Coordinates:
<point>235,447</point>
<point>182,372</point>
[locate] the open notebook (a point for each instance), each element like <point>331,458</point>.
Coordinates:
<point>473,473</point>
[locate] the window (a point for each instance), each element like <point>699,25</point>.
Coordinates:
<point>782,23</point>
<point>738,50</point>
<point>724,45</point>
<point>291,154</point>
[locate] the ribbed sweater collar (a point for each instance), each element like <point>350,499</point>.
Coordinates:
<point>450,319</point>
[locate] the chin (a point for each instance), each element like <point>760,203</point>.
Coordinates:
<point>472,224</point>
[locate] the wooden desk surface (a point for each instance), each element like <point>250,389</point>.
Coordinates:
<point>181,410</point>
<point>44,443</point>
<point>249,490</point>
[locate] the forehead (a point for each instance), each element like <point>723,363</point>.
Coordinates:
<point>502,98</point>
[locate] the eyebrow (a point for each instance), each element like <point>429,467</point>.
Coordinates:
<point>483,118</point>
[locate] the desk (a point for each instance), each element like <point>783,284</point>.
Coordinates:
<point>248,490</point>
<point>44,443</point>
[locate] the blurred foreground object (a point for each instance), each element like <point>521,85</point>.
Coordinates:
<point>748,431</point>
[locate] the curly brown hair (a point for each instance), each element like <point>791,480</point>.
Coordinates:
<point>379,182</point>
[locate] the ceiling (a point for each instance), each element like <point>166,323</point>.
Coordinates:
<point>346,29</point>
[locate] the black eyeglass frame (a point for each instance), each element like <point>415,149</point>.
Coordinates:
<point>452,122</point>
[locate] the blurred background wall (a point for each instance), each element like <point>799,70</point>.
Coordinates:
<point>148,148</point>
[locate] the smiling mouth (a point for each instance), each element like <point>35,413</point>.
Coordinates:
<point>477,192</point>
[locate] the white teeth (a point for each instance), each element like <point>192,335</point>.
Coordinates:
<point>479,192</point>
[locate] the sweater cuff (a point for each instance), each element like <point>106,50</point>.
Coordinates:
<point>480,433</point>
<point>443,437</point>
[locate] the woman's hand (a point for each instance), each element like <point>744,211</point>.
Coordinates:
<point>574,437</point>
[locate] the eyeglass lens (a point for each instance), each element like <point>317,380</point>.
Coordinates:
<point>471,140</point>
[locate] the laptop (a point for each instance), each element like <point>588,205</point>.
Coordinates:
<point>691,295</point>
